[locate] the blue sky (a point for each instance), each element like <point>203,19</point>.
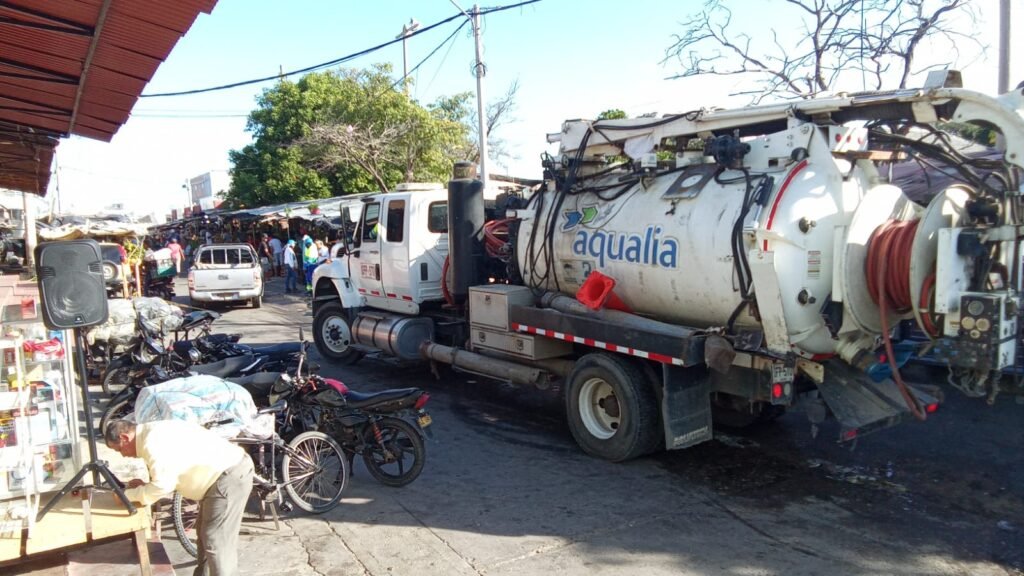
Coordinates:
<point>572,59</point>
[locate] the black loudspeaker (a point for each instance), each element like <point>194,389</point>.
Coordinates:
<point>71,283</point>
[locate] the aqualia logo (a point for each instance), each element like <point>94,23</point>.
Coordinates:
<point>648,247</point>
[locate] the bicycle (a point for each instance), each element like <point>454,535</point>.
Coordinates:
<point>313,473</point>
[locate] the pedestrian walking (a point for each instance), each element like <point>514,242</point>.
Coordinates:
<point>277,251</point>
<point>265,252</point>
<point>309,257</point>
<point>291,266</point>
<point>186,457</point>
<point>176,254</point>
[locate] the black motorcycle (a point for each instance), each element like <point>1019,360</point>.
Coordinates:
<point>386,428</point>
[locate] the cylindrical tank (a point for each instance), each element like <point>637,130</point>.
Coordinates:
<point>667,242</point>
<point>465,232</point>
<point>400,336</point>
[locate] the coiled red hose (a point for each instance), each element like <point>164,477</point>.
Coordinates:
<point>496,237</point>
<point>891,286</point>
<point>892,241</point>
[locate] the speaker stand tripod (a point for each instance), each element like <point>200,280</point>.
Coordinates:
<point>97,467</point>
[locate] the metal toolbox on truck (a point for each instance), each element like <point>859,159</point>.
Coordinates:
<point>489,306</point>
<point>528,346</point>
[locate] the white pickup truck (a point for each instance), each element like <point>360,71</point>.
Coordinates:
<point>226,273</point>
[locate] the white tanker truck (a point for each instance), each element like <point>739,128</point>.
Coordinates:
<point>729,263</point>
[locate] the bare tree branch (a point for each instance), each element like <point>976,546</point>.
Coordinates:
<point>842,41</point>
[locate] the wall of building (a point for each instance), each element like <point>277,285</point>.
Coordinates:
<point>213,184</point>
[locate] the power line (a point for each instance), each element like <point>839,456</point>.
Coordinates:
<point>439,67</point>
<point>432,52</point>
<point>336,61</point>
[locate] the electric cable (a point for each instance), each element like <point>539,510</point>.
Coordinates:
<point>336,61</point>
<point>427,57</point>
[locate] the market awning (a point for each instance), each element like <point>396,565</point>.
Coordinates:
<point>76,67</point>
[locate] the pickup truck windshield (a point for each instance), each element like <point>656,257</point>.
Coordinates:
<point>226,256</point>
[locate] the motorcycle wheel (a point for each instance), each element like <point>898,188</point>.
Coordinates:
<point>185,515</point>
<point>399,458</point>
<point>115,377</point>
<point>116,411</point>
<point>315,472</point>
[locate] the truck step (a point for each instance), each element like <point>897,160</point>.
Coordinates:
<point>861,405</point>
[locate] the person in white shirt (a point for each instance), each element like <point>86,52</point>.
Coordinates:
<point>323,252</point>
<point>185,457</point>
<point>278,249</point>
<point>291,267</point>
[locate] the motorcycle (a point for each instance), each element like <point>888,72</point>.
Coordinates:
<point>117,366</point>
<point>386,428</point>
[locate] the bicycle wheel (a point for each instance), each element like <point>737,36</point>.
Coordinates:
<point>185,514</point>
<point>399,459</point>
<point>315,472</point>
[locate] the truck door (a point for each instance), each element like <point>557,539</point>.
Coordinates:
<point>395,241</point>
<point>367,257</point>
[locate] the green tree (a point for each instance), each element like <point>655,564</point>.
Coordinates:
<point>340,132</point>
<point>612,114</point>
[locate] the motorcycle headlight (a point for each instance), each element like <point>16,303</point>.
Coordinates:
<point>194,355</point>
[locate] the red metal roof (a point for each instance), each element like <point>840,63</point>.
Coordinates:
<point>76,67</point>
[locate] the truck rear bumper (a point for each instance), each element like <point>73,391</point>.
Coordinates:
<point>224,295</point>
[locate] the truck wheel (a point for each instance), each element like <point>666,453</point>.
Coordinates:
<point>257,302</point>
<point>612,408</point>
<point>333,334</point>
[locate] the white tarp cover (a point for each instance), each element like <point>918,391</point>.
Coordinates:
<point>204,399</point>
<point>120,327</point>
<point>92,228</point>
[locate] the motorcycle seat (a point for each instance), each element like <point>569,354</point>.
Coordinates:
<point>226,367</point>
<point>282,349</point>
<point>367,399</point>
<point>259,384</point>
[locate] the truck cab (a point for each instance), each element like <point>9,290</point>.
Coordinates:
<point>394,263</point>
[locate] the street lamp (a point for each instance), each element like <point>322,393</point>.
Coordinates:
<point>407,30</point>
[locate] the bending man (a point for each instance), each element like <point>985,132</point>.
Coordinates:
<point>185,457</point>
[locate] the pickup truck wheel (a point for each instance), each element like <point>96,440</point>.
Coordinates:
<point>333,334</point>
<point>612,408</point>
<point>257,302</point>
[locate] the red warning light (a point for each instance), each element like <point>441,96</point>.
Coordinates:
<point>932,408</point>
<point>777,390</point>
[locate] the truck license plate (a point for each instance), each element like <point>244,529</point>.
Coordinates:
<point>425,420</point>
<point>781,373</point>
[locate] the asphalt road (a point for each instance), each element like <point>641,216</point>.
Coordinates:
<point>506,491</point>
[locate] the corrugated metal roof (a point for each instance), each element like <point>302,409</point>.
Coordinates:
<point>76,67</point>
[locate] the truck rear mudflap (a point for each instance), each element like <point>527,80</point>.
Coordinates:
<point>861,405</point>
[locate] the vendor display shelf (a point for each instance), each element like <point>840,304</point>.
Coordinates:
<point>39,446</point>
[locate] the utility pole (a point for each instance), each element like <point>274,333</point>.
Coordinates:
<point>481,70</point>
<point>407,30</point>
<point>1004,46</point>
<point>29,218</point>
